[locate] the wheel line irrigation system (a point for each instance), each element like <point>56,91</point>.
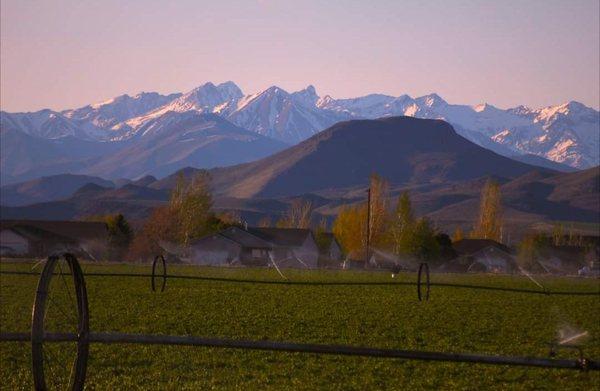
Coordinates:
<point>39,336</point>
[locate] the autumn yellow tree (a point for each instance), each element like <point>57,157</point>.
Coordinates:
<point>349,229</point>
<point>187,216</point>
<point>357,222</point>
<point>489,223</point>
<point>458,234</point>
<point>378,212</point>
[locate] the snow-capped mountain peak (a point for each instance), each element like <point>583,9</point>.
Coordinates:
<point>206,98</point>
<point>521,110</point>
<point>121,108</point>
<point>566,133</point>
<point>481,107</point>
<point>431,100</point>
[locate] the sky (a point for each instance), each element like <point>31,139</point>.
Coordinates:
<point>66,54</point>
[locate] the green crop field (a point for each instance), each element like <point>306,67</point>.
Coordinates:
<point>386,316</point>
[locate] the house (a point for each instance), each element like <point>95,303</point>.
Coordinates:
<point>484,255</point>
<point>41,238</point>
<point>385,260</point>
<point>233,246</point>
<point>253,246</point>
<point>562,259</point>
<point>292,247</point>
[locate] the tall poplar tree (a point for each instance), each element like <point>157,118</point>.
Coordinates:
<point>489,223</point>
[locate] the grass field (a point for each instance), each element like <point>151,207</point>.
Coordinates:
<point>387,316</point>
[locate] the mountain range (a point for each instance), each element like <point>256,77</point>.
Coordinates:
<point>218,125</point>
<point>331,169</point>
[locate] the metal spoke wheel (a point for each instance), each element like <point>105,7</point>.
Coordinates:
<point>159,268</point>
<point>60,308</point>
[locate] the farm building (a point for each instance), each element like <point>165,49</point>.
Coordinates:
<point>484,255</point>
<point>564,259</point>
<point>233,246</point>
<point>286,247</point>
<point>41,238</point>
<point>385,260</point>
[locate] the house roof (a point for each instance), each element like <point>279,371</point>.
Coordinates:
<point>34,234</point>
<point>471,246</point>
<point>77,230</point>
<point>265,238</point>
<point>244,238</point>
<point>288,237</point>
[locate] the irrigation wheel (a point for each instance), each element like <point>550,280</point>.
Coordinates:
<point>60,307</point>
<point>423,267</point>
<point>159,268</point>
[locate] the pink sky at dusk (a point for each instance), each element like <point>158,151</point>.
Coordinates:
<point>65,54</point>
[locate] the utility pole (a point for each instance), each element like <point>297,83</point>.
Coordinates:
<point>368,226</point>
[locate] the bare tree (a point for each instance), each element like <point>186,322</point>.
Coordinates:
<point>297,216</point>
<point>190,203</point>
<point>403,223</point>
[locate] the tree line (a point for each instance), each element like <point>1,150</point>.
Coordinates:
<point>382,223</point>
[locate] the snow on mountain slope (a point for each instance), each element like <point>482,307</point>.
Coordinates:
<point>567,133</point>
<point>203,99</point>
<point>50,124</point>
<point>370,106</point>
<point>278,114</point>
<point>113,111</point>
<point>175,140</point>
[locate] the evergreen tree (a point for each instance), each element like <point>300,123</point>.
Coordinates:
<point>119,235</point>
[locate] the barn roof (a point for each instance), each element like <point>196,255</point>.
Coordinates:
<point>471,246</point>
<point>288,237</point>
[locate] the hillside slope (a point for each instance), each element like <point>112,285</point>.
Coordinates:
<point>401,149</point>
